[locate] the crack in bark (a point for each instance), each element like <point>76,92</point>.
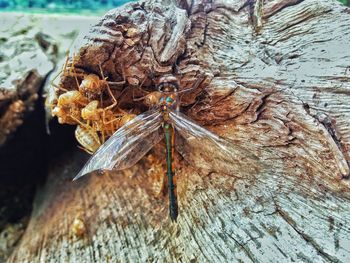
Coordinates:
<point>332,131</point>
<point>326,122</point>
<point>255,13</point>
<point>183,4</point>
<point>241,245</point>
<point>249,4</point>
<point>232,92</point>
<point>258,15</point>
<point>298,22</point>
<point>260,109</point>
<point>205,32</point>
<point>308,239</point>
<point>195,239</point>
<point>279,6</point>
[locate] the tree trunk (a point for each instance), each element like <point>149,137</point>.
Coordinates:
<point>277,83</point>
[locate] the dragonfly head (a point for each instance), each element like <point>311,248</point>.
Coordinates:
<point>168,84</point>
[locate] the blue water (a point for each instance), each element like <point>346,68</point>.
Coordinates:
<point>60,6</point>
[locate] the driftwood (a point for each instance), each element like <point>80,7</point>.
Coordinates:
<point>20,82</point>
<point>277,82</point>
<point>30,47</point>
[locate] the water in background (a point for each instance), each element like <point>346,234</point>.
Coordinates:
<point>87,7</point>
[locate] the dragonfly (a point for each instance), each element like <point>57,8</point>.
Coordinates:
<point>165,121</point>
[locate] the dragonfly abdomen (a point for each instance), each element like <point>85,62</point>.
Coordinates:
<point>173,209</point>
<point>169,143</point>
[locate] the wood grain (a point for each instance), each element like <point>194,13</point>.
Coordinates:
<point>277,83</point>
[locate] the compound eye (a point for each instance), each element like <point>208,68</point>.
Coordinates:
<point>161,87</point>
<point>169,100</point>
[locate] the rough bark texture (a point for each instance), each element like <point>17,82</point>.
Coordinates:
<point>30,47</point>
<point>24,66</point>
<point>277,83</point>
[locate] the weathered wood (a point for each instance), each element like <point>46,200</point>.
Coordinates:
<point>277,83</point>
<point>22,77</point>
<point>30,47</point>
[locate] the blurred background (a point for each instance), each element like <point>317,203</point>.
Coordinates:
<point>345,2</point>
<point>61,6</point>
<point>69,6</point>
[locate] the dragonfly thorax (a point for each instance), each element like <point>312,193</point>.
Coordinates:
<point>168,101</point>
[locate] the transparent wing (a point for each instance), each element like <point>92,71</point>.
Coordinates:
<point>210,151</point>
<point>127,145</point>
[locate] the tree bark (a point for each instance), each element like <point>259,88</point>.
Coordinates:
<point>276,81</point>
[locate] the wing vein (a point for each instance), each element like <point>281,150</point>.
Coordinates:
<point>127,145</point>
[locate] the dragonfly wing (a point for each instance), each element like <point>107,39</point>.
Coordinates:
<point>210,151</point>
<point>127,145</point>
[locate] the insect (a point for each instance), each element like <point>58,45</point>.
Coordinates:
<point>103,119</point>
<point>98,121</point>
<point>88,137</point>
<point>69,104</point>
<point>78,227</point>
<point>92,86</point>
<point>80,105</point>
<point>132,141</point>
